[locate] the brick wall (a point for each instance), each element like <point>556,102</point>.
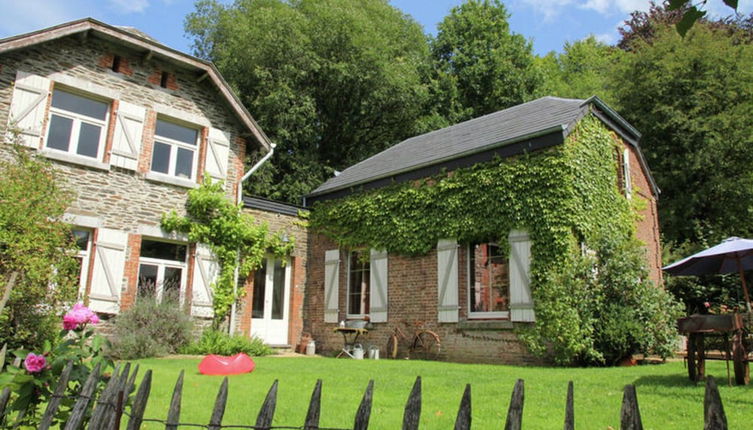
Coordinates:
<point>412,299</point>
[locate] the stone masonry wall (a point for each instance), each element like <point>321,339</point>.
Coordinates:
<point>412,299</point>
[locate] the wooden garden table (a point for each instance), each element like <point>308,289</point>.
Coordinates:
<point>350,337</point>
<point>698,326</point>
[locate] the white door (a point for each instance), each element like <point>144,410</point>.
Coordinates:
<point>271,298</point>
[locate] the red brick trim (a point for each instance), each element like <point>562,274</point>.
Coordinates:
<point>203,142</point>
<point>90,269</point>
<point>191,263</point>
<point>131,271</point>
<point>46,122</point>
<point>111,130</point>
<point>147,141</point>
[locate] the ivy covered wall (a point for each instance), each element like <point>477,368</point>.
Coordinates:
<point>563,196</point>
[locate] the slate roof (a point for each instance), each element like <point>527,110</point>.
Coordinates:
<point>543,116</point>
<point>271,206</point>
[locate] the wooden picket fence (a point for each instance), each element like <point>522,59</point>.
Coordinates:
<point>109,407</point>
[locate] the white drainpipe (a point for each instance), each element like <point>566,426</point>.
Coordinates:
<point>239,199</point>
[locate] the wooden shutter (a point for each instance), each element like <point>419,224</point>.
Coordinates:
<point>331,285</point>
<point>218,149</point>
<point>447,280</point>
<point>521,301</point>
<point>107,276</point>
<point>205,272</point>
<point>28,106</point>
<point>626,173</point>
<point>126,140</point>
<point>379,283</point>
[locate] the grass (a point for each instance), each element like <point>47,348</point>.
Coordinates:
<point>666,398</point>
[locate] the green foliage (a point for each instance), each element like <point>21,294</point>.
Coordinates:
<point>330,81</point>
<point>151,329</point>
<point>33,240</point>
<point>581,70</point>
<point>234,237</point>
<point>480,66</point>
<point>32,388</point>
<point>692,99</point>
<point>221,343</point>
<point>562,196</point>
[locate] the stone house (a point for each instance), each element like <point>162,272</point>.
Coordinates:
<point>133,125</point>
<point>475,292</point>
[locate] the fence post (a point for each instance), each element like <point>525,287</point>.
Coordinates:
<point>84,397</point>
<point>173,414</point>
<point>463,420</point>
<point>569,409</point>
<point>120,397</point>
<point>267,411</point>
<point>215,423</point>
<point>630,415</point>
<point>312,416</point>
<point>714,417</point>
<point>4,397</point>
<point>515,411</point>
<point>104,403</point>
<point>52,407</point>
<point>412,413</point>
<point>139,403</point>
<point>364,409</point>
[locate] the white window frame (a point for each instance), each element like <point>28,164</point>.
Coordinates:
<point>85,256</point>
<point>78,119</point>
<point>483,315</point>
<point>347,292</point>
<point>174,145</point>
<point>161,265</point>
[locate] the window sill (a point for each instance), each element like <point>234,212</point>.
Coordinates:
<point>485,325</point>
<point>172,180</point>
<point>74,159</point>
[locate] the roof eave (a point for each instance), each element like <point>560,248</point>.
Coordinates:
<point>135,41</point>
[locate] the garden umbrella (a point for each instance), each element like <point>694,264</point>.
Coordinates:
<point>732,255</point>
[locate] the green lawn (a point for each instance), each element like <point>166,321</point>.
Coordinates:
<point>667,399</point>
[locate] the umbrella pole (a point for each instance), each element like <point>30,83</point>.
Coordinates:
<point>745,286</point>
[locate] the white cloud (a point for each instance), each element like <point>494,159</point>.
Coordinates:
<point>130,6</point>
<point>549,9</point>
<point>29,15</point>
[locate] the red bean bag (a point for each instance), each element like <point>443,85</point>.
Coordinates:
<point>222,365</point>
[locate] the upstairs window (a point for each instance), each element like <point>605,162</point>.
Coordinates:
<point>78,124</point>
<point>174,150</point>
<point>489,292</point>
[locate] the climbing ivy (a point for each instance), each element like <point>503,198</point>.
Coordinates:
<point>563,196</point>
<point>234,237</point>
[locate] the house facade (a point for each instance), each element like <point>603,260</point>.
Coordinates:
<point>132,126</point>
<point>443,230</point>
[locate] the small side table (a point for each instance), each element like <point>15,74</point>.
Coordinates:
<point>350,337</point>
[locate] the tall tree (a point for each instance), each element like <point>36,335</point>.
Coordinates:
<point>481,67</point>
<point>692,99</point>
<point>581,70</point>
<point>331,81</point>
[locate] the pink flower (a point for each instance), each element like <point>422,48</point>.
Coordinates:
<point>707,304</point>
<point>35,363</point>
<point>79,315</point>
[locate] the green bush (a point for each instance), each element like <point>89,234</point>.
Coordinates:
<point>220,343</point>
<point>151,329</point>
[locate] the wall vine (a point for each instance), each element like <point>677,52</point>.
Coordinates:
<point>563,196</point>
<point>234,237</point>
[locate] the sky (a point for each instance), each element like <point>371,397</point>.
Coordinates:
<point>549,24</point>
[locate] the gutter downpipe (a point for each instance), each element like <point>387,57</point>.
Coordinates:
<point>239,198</point>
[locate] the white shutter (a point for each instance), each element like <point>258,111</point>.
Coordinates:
<point>126,140</point>
<point>27,107</point>
<point>626,173</point>
<point>205,272</point>
<point>107,276</point>
<point>521,301</point>
<point>218,149</point>
<point>447,280</point>
<point>379,283</point>
<point>331,285</point>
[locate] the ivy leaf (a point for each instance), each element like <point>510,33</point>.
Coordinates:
<point>688,19</point>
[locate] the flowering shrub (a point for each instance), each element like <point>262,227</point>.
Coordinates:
<point>33,382</point>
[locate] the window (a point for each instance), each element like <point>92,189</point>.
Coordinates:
<point>78,124</point>
<point>359,277</point>
<point>83,243</point>
<point>628,180</point>
<point>489,281</point>
<point>174,150</point>
<point>162,270</point>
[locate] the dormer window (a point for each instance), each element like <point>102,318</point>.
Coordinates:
<point>78,124</point>
<point>116,59</point>
<point>163,79</point>
<point>174,150</point>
